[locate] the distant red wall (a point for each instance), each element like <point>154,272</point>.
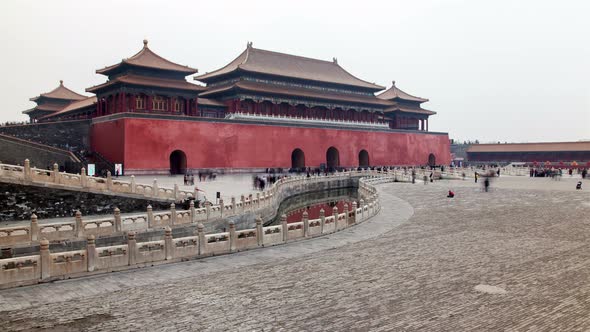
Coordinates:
<point>108,138</point>
<point>149,142</point>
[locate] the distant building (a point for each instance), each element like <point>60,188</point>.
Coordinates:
<point>553,152</point>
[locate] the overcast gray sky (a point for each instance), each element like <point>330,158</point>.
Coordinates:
<point>516,71</point>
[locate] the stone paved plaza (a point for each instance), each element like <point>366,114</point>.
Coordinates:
<point>516,258</point>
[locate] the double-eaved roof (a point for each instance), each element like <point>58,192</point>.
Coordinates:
<point>395,94</point>
<point>61,92</point>
<point>290,66</point>
<point>146,58</point>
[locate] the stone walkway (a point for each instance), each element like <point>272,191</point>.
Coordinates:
<point>516,258</point>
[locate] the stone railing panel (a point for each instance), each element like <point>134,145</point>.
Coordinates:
<point>134,223</point>
<point>295,230</point>
<point>186,246</point>
<point>66,263</point>
<point>272,235</point>
<point>149,252</point>
<point>14,235</point>
<point>314,227</point>
<point>109,258</point>
<point>61,231</point>
<point>216,244</point>
<point>162,219</point>
<point>20,269</point>
<point>246,239</point>
<point>99,227</point>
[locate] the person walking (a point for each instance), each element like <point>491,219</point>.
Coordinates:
<point>476,176</point>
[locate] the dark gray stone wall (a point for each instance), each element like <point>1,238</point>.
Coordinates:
<point>67,135</point>
<point>18,202</point>
<point>15,152</point>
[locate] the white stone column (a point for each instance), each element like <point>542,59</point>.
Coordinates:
<point>90,253</point>
<point>133,185</point>
<point>305,224</point>
<point>172,214</point>
<point>168,244</point>
<point>117,220</point>
<point>55,173</point>
<point>27,170</point>
<point>232,236</point>
<point>259,232</point>
<point>45,259</point>
<point>322,220</point>
<point>150,216</point>
<point>132,248</point>
<point>192,210</point>
<point>285,227</point>
<point>335,214</point>
<point>202,241</point>
<point>34,230</point>
<point>79,224</point>
<point>83,178</point>
<point>109,181</point>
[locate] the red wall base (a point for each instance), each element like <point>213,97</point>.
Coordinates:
<point>143,144</point>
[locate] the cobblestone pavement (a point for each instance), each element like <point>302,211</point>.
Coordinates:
<point>516,258</point>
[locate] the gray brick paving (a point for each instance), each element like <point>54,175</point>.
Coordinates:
<point>528,237</point>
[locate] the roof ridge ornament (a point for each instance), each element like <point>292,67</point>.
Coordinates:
<point>335,60</point>
<point>61,82</point>
<point>249,44</point>
<point>393,83</point>
<point>145,43</point>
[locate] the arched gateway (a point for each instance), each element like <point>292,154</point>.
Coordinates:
<point>332,158</point>
<point>297,159</point>
<point>177,162</point>
<point>363,158</point>
<point>431,160</point>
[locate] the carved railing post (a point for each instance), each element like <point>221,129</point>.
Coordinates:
<point>258,200</point>
<point>117,220</point>
<point>208,209</point>
<point>362,209</point>
<point>34,228</point>
<point>109,181</point>
<point>243,200</point>
<point>155,189</point>
<point>173,214</point>
<point>233,205</point>
<point>55,173</point>
<point>202,241</point>
<point>322,220</point>
<point>192,210</point>
<point>133,185</point>
<point>259,232</point>
<point>335,214</point>
<point>285,227</point>
<point>354,207</point>
<point>27,170</point>
<point>83,177</point>
<point>232,236</point>
<point>175,192</point>
<point>221,208</point>
<point>345,214</point>
<point>79,224</point>
<point>305,224</point>
<point>150,216</point>
<point>90,253</point>
<point>168,245</point>
<point>45,259</point>
<point>132,248</point>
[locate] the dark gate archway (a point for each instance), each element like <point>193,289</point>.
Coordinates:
<point>431,160</point>
<point>297,159</point>
<point>177,162</point>
<point>332,158</point>
<point>363,158</point>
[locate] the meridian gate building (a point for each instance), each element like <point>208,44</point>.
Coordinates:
<point>263,109</point>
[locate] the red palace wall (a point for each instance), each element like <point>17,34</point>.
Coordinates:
<point>143,144</point>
